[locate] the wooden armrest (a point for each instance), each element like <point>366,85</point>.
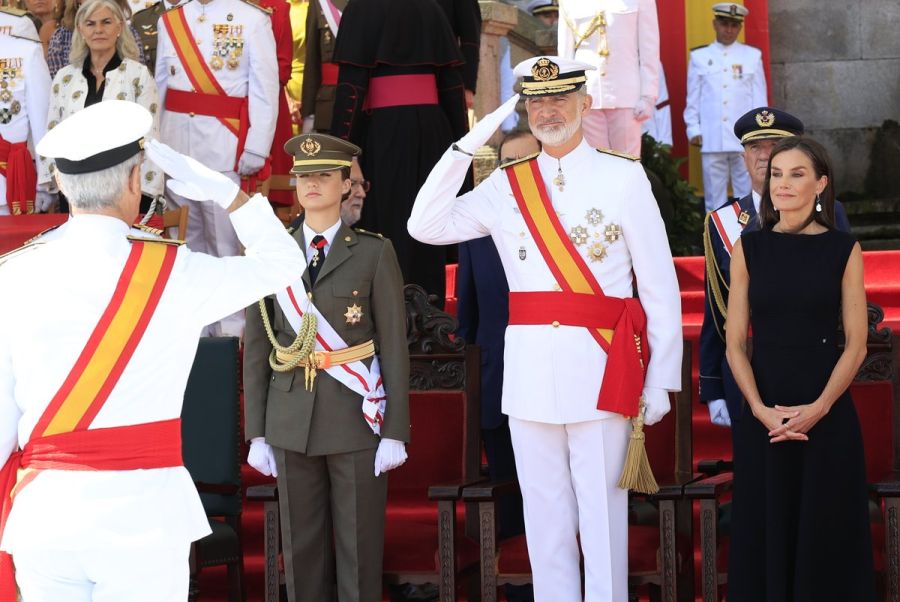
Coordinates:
<point>263,493</point>
<point>715,466</point>
<point>219,488</point>
<point>888,486</point>
<point>489,491</point>
<point>451,491</point>
<point>710,488</point>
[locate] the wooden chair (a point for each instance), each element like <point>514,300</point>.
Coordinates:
<point>176,218</point>
<point>880,421</point>
<point>211,438</point>
<point>424,538</point>
<point>663,520</point>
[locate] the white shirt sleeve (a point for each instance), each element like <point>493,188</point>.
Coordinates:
<point>648,49</point>
<point>37,101</point>
<point>692,106</point>
<point>263,88</point>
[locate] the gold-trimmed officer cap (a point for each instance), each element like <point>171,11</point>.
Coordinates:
<point>551,75</point>
<point>730,11</point>
<point>542,7</point>
<point>97,137</point>
<point>319,152</point>
<point>766,123</point>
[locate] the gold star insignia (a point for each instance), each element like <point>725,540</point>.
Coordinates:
<point>353,314</point>
<point>597,251</point>
<point>579,235</point>
<point>594,217</point>
<point>612,233</point>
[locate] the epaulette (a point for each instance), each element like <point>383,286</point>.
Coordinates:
<point>149,229</point>
<point>165,241</point>
<point>183,4</point>
<point>295,225</point>
<point>40,234</point>
<point>265,9</point>
<point>699,47</point>
<point>29,246</point>
<point>375,234</point>
<point>150,10</point>
<point>520,160</point>
<point>12,35</point>
<point>10,10</point>
<point>609,151</point>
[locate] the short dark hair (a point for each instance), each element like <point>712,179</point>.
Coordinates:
<point>821,163</point>
<point>511,137</point>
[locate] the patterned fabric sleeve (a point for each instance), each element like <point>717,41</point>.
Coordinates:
<point>58,52</point>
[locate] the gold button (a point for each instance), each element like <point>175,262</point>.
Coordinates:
<point>355,293</point>
<point>555,323</point>
<point>191,113</point>
<point>346,239</point>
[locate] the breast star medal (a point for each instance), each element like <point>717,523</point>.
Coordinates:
<point>578,235</point>
<point>353,314</point>
<point>612,233</point>
<point>594,216</point>
<point>597,252</point>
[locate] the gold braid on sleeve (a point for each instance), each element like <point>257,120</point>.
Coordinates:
<point>714,278</point>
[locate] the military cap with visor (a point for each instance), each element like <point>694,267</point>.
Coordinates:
<point>730,11</point>
<point>551,75</point>
<point>542,7</point>
<point>315,153</point>
<point>97,137</point>
<point>766,123</point>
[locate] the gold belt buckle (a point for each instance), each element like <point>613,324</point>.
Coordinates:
<point>323,360</point>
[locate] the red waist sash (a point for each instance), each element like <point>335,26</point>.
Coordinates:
<point>213,105</point>
<point>141,446</point>
<point>401,90</point>
<point>17,164</point>
<point>623,379</point>
<point>329,74</point>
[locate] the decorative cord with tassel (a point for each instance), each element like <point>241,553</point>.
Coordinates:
<point>637,474</point>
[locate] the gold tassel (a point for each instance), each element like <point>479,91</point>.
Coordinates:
<point>637,474</point>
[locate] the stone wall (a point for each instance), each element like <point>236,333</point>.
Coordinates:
<point>836,65</point>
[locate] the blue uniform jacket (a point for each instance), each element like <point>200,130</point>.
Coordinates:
<point>483,310</point>
<point>716,380</point>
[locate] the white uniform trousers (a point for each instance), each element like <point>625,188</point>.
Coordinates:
<point>568,474</point>
<point>210,231</point>
<point>136,575</point>
<point>616,129</point>
<point>717,168</point>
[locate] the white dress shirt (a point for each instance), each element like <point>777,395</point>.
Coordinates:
<point>329,234</point>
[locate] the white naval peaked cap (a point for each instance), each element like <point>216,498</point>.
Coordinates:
<point>537,7</point>
<point>551,75</point>
<point>730,10</point>
<point>97,137</point>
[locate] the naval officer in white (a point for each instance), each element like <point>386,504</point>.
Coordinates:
<point>569,454</point>
<point>237,49</point>
<point>620,38</point>
<point>725,80</point>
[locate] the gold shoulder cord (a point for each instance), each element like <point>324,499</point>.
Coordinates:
<point>301,350</point>
<point>598,22</point>
<point>714,274</point>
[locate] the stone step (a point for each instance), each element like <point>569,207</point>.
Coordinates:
<point>892,244</point>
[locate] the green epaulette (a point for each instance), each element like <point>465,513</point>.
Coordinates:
<point>175,7</point>
<point>375,234</point>
<point>165,241</point>
<point>609,151</point>
<point>11,10</point>
<point>37,236</point>
<point>517,161</point>
<point>149,229</point>
<point>265,9</point>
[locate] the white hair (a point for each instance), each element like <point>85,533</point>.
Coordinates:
<point>126,45</point>
<point>97,189</point>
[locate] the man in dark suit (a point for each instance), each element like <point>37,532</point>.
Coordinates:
<point>483,312</point>
<point>758,130</point>
<point>317,414</point>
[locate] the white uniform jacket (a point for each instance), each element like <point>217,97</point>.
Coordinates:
<point>27,109</point>
<point>129,81</point>
<point>553,375</point>
<point>205,138</point>
<point>659,126</point>
<point>16,25</point>
<point>724,82</point>
<point>76,510</point>
<point>631,69</point>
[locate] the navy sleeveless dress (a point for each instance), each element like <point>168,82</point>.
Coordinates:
<point>800,523</point>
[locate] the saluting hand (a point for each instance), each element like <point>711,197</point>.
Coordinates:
<point>190,178</point>
<point>485,128</point>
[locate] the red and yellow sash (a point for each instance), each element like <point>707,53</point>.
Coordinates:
<point>618,325</point>
<point>61,438</point>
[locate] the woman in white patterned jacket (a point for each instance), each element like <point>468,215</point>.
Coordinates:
<point>102,66</point>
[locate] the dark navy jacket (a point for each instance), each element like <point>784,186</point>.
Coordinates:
<point>483,310</point>
<point>716,380</point>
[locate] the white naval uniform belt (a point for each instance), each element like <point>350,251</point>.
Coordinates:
<point>353,373</point>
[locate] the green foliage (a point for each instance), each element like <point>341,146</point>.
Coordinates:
<point>682,209</point>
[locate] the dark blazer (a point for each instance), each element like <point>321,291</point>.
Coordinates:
<point>360,268</point>
<point>316,98</point>
<point>716,380</point>
<point>146,22</point>
<point>483,311</point>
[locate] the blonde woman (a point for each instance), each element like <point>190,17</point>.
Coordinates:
<point>103,66</point>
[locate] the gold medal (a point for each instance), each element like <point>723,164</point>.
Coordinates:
<point>216,62</point>
<point>233,63</point>
<point>594,216</point>
<point>5,95</point>
<point>744,218</point>
<point>597,252</point>
<point>612,233</point>
<point>578,235</point>
<point>201,18</point>
<point>354,314</point>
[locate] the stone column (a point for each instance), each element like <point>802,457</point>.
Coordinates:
<point>497,19</point>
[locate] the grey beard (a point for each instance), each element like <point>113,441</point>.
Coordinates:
<point>557,135</point>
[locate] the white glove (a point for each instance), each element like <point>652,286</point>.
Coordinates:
<point>190,178</point>
<point>656,405</point>
<point>643,110</point>
<point>261,457</point>
<point>718,412</point>
<point>250,163</point>
<point>390,454</point>
<point>43,201</point>
<point>484,129</point>
<point>308,124</point>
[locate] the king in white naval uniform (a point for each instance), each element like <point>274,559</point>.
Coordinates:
<point>620,38</point>
<point>24,97</point>
<point>104,510</point>
<point>14,21</point>
<point>220,108</point>
<point>725,80</point>
<point>569,454</point>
